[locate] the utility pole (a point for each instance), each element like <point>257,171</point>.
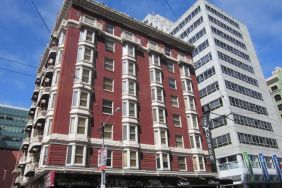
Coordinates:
<point>103,173</point>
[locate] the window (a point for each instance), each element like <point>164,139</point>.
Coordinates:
<point>257,140</point>
<point>129,87</point>
<point>197,36</point>
<point>162,161</point>
<point>274,88</point>
<point>221,141</point>
<point>128,50</point>
<point>170,66</point>
<point>130,133</point>
<point>160,137</point>
<point>53,99</point>
<point>185,70</point>
<point>45,155</point>
<point>198,163</point>
<point>179,141</point>
<point>205,59</point>
<point>129,108</point>
<point>159,115</point>
<point>76,155</point>
<point>59,57</point>
<point>167,51</point>
<point>195,141</point>
<point>182,163</point>
<point>205,75</point>
<point>61,38</point>
<point>128,67</point>
<point>191,103</point>
<point>108,84</point>
<point>200,48</point>
<point>82,75</point>
<point>86,35</point>
<point>235,62</point>
<point>209,89</point>
<point>172,83</point>
<point>80,99</point>
<point>109,159</point>
<point>108,130</point>
<point>215,104</point>
<point>107,106</point>
<point>187,86</point>
<point>47,127</point>
<point>56,77</point>
<point>109,45</point>
<point>130,159</point>
<point>192,121</point>
<point>176,120</point>
<point>157,94</point>
<point>154,59</point>
<point>174,101</point>
<point>84,54</point>
<point>110,29</point>
<point>279,107</point>
<point>109,64</point>
<point>78,125</point>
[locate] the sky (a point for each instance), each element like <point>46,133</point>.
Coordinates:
<point>23,36</point>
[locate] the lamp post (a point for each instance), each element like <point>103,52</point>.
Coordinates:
<point>103,173</point>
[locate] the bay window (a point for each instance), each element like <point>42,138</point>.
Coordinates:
<point>182,163</point>
<point>82,75</point>
<point>156,76</point>
<point>129,87</point>
<point>154,59</point>
<point>157,94</point>
<point>128,67</point>
<point>160,137</point>
<point>78,125</point>
<point>80,98</point>
<point>198,163</point>
<point>85,54</point>
<point>87,35</point>
<point>159,115</point>
<point>128,50</point>
<point>129,109</point>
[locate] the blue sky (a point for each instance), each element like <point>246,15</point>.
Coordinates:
<point>23,36</point>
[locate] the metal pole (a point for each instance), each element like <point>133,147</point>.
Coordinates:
<point>103,173</point>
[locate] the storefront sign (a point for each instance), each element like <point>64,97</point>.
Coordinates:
<point>206,127</point>
<point>102,156</point>
<point>247,162</point>
<point>50,179</point>
<point>262,163</point>
<point>277,166</point>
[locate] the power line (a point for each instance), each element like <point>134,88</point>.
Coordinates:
<point>41,17</point>
<point>17,62</point>
<point>22,73</point>
<point>171,9</point>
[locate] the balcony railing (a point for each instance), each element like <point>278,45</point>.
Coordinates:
<point>183,58</point>
<point>130,37</point>
<point>90,21</point>
<point>228,166</point>
<point>155,47</point>
<point>25,143</point>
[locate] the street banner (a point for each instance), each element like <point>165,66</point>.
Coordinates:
<point>262,163</point>
<point>247,162</point>
<point>102,158</point>
<point>206,127</point>
<point>277,166</point>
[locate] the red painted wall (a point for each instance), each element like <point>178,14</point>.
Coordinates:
<point>8,161</point>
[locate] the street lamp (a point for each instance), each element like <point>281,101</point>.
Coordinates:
<point>103,173</point>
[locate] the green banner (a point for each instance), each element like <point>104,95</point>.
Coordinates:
<point>248,165</point>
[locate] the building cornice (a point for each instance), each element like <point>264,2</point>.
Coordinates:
<point>99,9</point>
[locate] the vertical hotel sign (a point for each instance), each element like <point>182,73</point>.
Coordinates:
<point>277,166</point>
<point>262,163</point>
<point>206,127</point>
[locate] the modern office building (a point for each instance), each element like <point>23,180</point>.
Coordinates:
<point>245,125</point>
<point>12,123</point>
<point>159,22</point>
<point>274,83</point>
<point>99,61</point>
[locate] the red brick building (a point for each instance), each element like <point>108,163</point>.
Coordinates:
<point>99,61</point>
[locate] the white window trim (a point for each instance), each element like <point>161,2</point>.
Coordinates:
<point>112,132</point>
<point>158,114</point>
<point>59,57</point>
<point>182,141</point>
<point>78,77</point>
<point>113,84</point>
<point>62,37</point>
<point>179,120</point>
<point>194,141</point>
<point>154,91</point>
<point>125,109</point>
<point>125,49</point>
<point>198,163</point>
<point>154,76</point>
<point>73,155</point>
<point>108,59</point>
<point>103,106</point>
<point>125,87</point>
<point>125,67</point>
<point>185,163</point>
<point>183,71</point>
<point>190,121</point>
<point>152,60</point>
<point>83,53</point>
<point>83,34</point>
<point>177,101</point>
<point>128,133</point>
<point>161,161</point>
<point>128,159</point>
<point>170,78</point>
<point>78,99</point>
<point>47,127</point>
<point>41,160</point>
<point>56,78</point>
<point>173,68</point>
<point>112,42</point>
<point>159,138</point>
<point>76,126</point>
<point>52,101</point>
